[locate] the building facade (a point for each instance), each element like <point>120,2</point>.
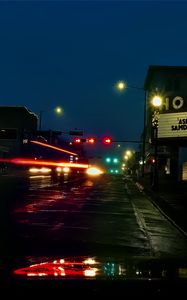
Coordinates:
<point>170,83</point>
<point>17,125</point>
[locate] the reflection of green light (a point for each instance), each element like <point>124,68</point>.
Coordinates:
<point>115,160</point>
<point>111,171</point>
<point>108,159</point>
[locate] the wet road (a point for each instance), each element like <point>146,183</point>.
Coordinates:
<point>107,215</point>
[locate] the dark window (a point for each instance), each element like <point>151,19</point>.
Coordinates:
<point>176,85</point>
<point>172,85</point>
<point>8,134</point>
<point>169,85</point>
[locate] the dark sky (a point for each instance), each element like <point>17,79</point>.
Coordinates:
<point>72,54</point>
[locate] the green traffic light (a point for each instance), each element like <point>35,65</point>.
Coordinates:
<point>115,160</point>
<point>108,159</point>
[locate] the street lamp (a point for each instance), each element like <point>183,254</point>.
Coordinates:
<point>121,85</point>
<point>128,153</point>
<point>156,102</point>
<point>58,111</point>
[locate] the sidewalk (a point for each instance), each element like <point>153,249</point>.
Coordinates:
<point>13,171</point>
<point>171,197</point>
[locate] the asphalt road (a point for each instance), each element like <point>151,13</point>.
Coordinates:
<point>106,215</point>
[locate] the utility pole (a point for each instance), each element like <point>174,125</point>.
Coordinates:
<point>144,133</point>
<point>40,119</point>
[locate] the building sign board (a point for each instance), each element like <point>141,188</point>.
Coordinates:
<point>172,125</point>
<point>173,104</point>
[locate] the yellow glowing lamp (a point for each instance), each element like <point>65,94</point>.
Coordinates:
<point>157,101</point>
<point>121,85</point>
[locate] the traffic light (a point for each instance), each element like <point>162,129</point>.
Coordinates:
<point>108,159</point>
<point>115,160</point>
<point>91,140</point>
<point>107,140</point>
<point>77,140</point>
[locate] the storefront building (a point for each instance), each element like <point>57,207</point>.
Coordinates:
<point>17,125</point>
<point>170,83</point>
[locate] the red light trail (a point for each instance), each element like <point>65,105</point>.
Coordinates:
<point>26,161</point>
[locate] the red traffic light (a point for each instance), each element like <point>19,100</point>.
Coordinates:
<point>77,140</point>
<point>91,140</point>
<point>107,140</point>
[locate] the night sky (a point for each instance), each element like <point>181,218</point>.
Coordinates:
<point>72,54</point>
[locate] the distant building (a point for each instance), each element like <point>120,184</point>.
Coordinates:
<point>170,82</point>
<point>17,125</point>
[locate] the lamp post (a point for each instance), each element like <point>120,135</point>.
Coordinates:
<point>156,102</point>
<point>40,119</point>
<point>121,85</point>
<point>58,110</point>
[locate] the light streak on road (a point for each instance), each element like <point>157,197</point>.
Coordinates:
<point>26,161</point>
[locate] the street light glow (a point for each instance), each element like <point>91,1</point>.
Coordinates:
<point>128,152</point>
<point>157,101</point>
<point>121,85</point>
<point>59,110</point>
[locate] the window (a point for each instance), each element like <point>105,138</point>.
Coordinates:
<point>168,86</point>
<point>176,85</point>
<point>8,134</point>
<point>172,85</point>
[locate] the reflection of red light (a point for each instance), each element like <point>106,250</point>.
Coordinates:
<point>57,268</point>
<point>52,147</point>
<point>25,161</point>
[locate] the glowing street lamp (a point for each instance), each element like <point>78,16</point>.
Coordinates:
<point>157,101</point>
<point>58,111</point>
<point>128,153</point>
<point>121,86</point>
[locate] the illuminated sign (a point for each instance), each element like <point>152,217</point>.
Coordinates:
<point>172,125</point>
<point>173,104</point>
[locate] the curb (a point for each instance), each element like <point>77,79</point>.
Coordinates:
<point>165,209</point>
